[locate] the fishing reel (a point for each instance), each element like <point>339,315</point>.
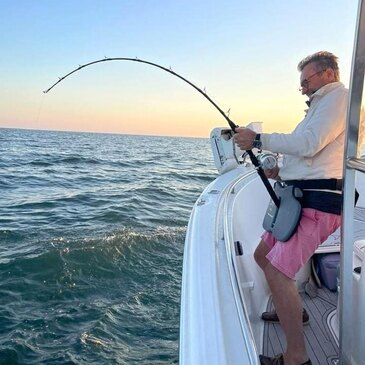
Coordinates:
<point>267,160</point>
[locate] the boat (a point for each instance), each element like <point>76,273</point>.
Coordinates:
<point>224,291</point>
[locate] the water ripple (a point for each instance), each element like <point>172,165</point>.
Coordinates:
<point>92,242</point>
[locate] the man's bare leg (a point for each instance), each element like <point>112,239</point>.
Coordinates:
<point>260,254</point>
<point>289,308</point>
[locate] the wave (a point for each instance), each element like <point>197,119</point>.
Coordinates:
<point>103,293</point>
<point>105,249</point>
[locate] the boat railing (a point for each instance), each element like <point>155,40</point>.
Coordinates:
<point>357,164</point>
<point>352,164</point>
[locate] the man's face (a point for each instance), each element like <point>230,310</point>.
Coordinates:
<point>313,78</point>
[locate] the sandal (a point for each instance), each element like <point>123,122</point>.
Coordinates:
<point>277,360</point>
<point>272,317</point>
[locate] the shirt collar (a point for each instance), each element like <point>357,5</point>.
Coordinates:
<point>323,91</point>
<point>326,89</point>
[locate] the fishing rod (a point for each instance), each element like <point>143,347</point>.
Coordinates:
<point>232,125</point>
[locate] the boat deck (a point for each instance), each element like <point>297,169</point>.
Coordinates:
<point>321,345</point>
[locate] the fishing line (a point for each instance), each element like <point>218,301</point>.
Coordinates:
<point>40,109</point>
<point>232,125</point>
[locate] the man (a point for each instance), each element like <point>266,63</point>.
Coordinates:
<point>313,155</point>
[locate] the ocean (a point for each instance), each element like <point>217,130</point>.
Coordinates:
<point>92,230</point>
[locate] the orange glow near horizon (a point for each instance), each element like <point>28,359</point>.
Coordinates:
<point>167,108</point>
<point>194,117</point>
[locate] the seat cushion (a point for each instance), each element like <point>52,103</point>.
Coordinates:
<point>359,249</point>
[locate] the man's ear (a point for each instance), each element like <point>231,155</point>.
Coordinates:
<point>330,74</point>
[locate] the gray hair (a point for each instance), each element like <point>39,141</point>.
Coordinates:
<point>322,60</point>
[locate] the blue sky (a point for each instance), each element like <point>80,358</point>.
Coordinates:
<point>244,52</point>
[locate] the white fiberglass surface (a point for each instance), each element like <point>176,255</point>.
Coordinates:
<point>210,331</point>
<point>246,213</point>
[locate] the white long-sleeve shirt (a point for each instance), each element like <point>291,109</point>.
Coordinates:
<point>314,150</point>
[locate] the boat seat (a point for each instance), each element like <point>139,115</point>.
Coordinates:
<point>359,250</point>
<point>331,244</point>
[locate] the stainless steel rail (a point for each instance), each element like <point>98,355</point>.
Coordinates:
<point>357,164</point>
<point>351,164</point>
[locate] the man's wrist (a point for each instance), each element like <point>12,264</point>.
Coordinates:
<point>256,143</point>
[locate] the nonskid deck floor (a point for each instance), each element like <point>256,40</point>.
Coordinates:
<point>321,346</point>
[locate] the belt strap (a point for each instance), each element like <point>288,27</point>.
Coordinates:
<point>320,184</point>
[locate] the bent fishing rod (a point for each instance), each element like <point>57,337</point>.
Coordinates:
<point>232,125</point>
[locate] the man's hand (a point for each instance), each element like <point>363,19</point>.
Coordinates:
<point>244,138</point>
<point>272,173</point>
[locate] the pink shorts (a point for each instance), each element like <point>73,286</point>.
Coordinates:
<point>290,256</point>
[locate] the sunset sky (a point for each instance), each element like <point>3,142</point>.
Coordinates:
<point>244,53</point>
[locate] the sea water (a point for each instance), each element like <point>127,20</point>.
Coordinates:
<point>92,230</point>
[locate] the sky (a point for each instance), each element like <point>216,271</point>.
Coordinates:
<point>244,53</point>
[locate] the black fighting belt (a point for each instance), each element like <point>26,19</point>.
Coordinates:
<point>319,198</point>
<point>321,184</point>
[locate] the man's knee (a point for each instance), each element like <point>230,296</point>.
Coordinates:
<point>260,254</point>
<point>257,256</point>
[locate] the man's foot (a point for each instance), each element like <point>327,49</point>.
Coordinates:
<point>273,317</point>
<point>277,360</point>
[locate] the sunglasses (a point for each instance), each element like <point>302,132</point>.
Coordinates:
<point>305,83</point>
